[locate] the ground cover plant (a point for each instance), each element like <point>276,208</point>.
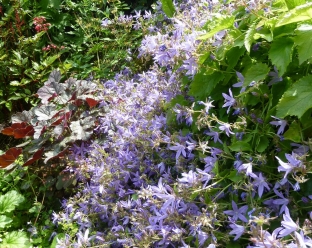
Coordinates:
<point>208,147</point>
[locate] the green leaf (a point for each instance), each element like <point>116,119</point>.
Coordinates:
<point>263,144</point>
<point>222,22</point>
<point>249,37</point>
<point>281,53</point>
<point>294,3</point>
<point>168,7</point>
<point>15,239</point>
<point>239,146</point>
<point>233,55</point>
<point>293,133</point>
<point>235,177</point>
<point>203,84</point>
<point>4,220</point>
<point>256,73</point>
<point>298,14</point>
<point>297,100</point>
<point>303,42</point>
<point>9,201</point>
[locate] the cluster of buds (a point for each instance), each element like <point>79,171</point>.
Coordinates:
<point>51,47</point>
<point>40,24</point>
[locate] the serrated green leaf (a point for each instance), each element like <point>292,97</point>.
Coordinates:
<point>263,144</point>
<point>4,220</point>
<point>298,14</point>
<point>249,37</point>
<point>294,3</point>
<point>168,7</point>
<point>297,100</point>
<point>281,53</point>
<point>303,42</point>
<point>9,201</point>
<point>222,22</point>
<point>15,239</point>
<point>203,84</point>
<point>293,133</point>
<point>239,146</point>
<point>256,73</point>
<point>233,55</point>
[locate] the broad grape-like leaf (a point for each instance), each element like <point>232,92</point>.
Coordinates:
<point>168,7</point>
<point>10,156</point>
<point>297,100</point>
<point>55,77</point>
<point>50,91</point>
<point>303,42</point>
<point>10,201</point>
<point>203,84</point>
<point>281,53</point>
<point>15,239</point>
<point>37,155</point>
<point>256,73</point>
<point>45,112</point>
<point>82,129</point>
<point>297,14</point>
<point>222,22</point>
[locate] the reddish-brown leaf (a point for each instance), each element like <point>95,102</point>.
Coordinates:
<point>10,156</point>
<point>23,132</point>
<point>91,102</point>
<point>37,155</point>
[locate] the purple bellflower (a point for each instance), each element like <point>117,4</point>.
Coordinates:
<point>288,224</point>
<point>229,101</point>
<point>237,213</point>
<point>238,230</point>
<point>281,123</point>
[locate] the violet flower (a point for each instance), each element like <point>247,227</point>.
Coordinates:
<point>288,224</point>
<point>229,101</point>
<point>237,213</point>
<point>226,127</point>
<point>281,123</point>
<point>238,230</point>
<point>260,183</point>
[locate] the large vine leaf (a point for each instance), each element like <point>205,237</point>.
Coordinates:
<point>256,73</point>
<point>168,7</point>
<point>297,100</point>
<point>303,42</point>
<point>203,84</point>
<point>15,239</point>
<point>10,201</point>
<point>281,53</point>
<point>297,14</point>
<point>222,22</point>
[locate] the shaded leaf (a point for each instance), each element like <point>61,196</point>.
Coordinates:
<point>263,144</point>
<point>293,133</point>
<point>281,53</point>
<point>240,146</point>
<point>297,100</point>
<point>249,37</point>
<point>256,73</point>
<point>203,84</point>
